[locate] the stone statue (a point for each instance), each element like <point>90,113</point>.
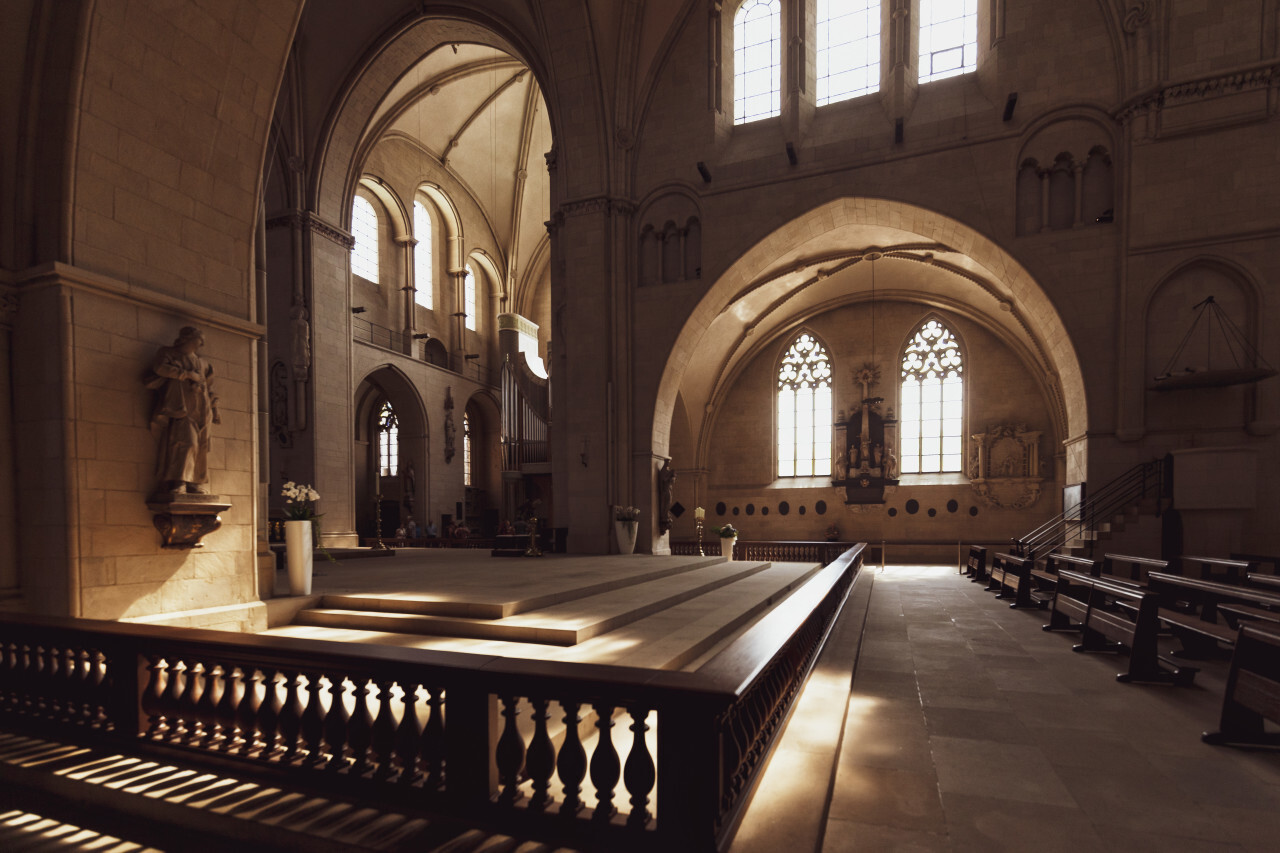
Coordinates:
<point>185,407</point>
<point>666,485</point>
<point>891,465</point>
<point>448,423</point>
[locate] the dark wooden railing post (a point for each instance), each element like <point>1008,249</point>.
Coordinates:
<point>471,738</point>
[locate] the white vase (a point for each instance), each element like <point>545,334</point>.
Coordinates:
<point>624,534</point>
<point>726,547</point>
<point>298,552</point>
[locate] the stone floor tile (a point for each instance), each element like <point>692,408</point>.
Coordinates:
<point>983,824</point>
<point>975,725</point>
<point>985,768</point>
<point>847,836</point>
<point>887,797</point>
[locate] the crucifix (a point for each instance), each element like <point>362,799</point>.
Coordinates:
<point>865,456</point>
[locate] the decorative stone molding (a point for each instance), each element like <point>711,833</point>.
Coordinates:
<point>307,219</point>
<point>1138,15</point>
<point>1004,466</point>
<point>185,519</point>
<point>1255,77</point>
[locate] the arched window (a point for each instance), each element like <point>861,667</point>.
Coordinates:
<point>932,416</point>
<point>804,410</point>
<point>466,449</point>
<point>757,63</point>
<point>469,298</point>
<point>388,441</point>
<point>364,227</point>
<point>948,38</point>
<point>848,49</point>
<point>422,279</point>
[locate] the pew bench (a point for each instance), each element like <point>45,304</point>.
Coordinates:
<point>1189,607</point>
<point>1124,567</point>
<point>1216,569</point>
<point>976,566</point>
<point>1234,613</point>
<point>1265,581</point>
<point>1010,577</point>
<point>1252,694</point>
<point>1114,618</point>
<point>1266,562</point>
<point>1044,582</point>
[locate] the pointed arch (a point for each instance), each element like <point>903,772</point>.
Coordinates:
<point>931,399</point>
<point>803,407</point>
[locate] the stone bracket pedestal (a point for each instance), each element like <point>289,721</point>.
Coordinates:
<point>183,520</point>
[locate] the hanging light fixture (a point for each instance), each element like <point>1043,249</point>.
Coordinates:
<point>1247,364</point>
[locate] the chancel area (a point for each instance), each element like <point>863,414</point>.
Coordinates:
<point>622,424</point>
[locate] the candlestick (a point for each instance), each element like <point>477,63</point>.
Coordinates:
<point>697,521</point>
<point>699,513</point>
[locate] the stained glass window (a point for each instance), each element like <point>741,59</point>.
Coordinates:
<point>388,441</point>
<point>931,421</point>
<point>804,410</point>
<point>466,449</point>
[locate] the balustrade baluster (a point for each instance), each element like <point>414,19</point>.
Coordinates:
<point>290,724</point>
<point>360,729</point>
<point>433,736</point>
<point>24,665</point>
<point>540,762</point>
<point>639,773</point>
<point>408,737</point>
<point>571,764</point>
<point>96,674</point>
<point>384,732</point>
<point>51,707</point>
<point>186,710</point>
<point>606,768</point>
<point>172,703</point>
<point>206,706</point>
<point>269,711</point>
<point>74,704</point>
<point>337,723</point>
<point>8,670</point>
<point>153,694</point>
<point>509,754</point>
<point>313,721</point>
<point>225,713</point>
<point>246,714</point>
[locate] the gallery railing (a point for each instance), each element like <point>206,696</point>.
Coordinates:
<point>793,551</point>
<point>438,732</point>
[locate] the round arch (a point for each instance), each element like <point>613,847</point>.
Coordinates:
<point>1016,299</point>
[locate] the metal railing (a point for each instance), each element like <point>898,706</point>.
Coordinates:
<point>435,732</point>
<point>1144,480</point>
<point>379,336</point>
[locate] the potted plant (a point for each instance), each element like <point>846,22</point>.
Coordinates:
<point>301,528</point>
<point>728,538</point>
<point>626,523</point>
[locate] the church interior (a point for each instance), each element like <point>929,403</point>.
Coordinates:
<point>649,374</point>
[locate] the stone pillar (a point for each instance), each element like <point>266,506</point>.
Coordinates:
<point>1045,175</point>
<point>410,289</point>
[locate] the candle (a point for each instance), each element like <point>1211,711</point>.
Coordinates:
<point>699,513</point>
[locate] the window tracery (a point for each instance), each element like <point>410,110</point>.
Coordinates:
<point>388,441</point>
<point>931,424</point>
<point>804,423</point>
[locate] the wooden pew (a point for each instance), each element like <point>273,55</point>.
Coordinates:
<point>1267,563</point>
<point>1115,617</point>
<point>976,568</point>
<point>1011,578</point>
<point>1125,567</point>
<point>1044,582</point>
<point>1264,581</point>
<point>1253,690</point>
<point>1216,569</point>
<point>1189,607</point>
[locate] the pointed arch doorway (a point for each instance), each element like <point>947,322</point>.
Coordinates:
<point>391,465</point>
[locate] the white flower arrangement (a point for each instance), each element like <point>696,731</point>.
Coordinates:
<point>627,513</point>
<point>299,501</point>
<point>728,531</point>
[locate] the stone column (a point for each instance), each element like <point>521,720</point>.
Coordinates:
<point>410,290</point>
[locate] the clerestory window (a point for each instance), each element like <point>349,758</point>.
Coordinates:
<point>948,38</point>
<point>931,425</point>
<point>469,297</point>
<point>804,409</point>
<point>757,60</point>
<point>364,228</point>
<point>423,283</point>
<point>848,49</point>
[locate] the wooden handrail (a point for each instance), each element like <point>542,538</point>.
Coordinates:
<point>436,731</point>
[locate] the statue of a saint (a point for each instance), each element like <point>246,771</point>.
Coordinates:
<point>185,407</point>
<point>666,485</point>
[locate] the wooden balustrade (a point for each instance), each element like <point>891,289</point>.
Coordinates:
<point>763,550</point>
<point>440,732</point>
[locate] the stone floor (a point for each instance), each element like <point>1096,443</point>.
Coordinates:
<point>970,728</point>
